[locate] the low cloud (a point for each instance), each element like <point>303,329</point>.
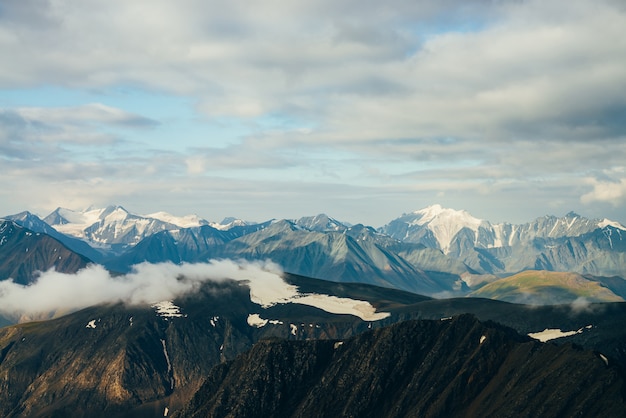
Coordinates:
<point>146,284</point>
<point>612,191</point>
<point>582,305</point>
<point>85,114</point>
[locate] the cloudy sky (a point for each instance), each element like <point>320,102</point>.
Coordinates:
<point>359,109</point>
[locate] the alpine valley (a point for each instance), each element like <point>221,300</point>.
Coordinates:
<point>435,314</point>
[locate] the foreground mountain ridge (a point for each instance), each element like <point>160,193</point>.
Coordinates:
<point>140,360</point>
<point>453,368</point>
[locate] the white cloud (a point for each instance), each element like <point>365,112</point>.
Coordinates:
<point>149,284</point>
<point>33,133</point>
<point>85,114</point>
<point>610,188</point>
<point>146,284</point>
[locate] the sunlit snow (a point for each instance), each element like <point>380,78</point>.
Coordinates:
<point>446,223</point>
<point>553,333</point>
<point>255,320</point>
<point>607,222</point>
<point>270,289</point>
<point>167,309</point>
<point>77,222</point>
<point>187,221</point>
<point>336,305</point>
<point>169,364</point>
<point>604,359</point>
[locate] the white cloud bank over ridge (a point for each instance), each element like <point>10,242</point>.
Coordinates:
<point>148,284</point>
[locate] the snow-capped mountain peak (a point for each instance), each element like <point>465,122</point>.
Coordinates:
<point>114,225</point>
<point>444,223</point>
<point>457,232</point>
<point>455,218</point>
<point>607,222</point>
<point>228,223</point>
<point>105,226</point>
<point>187,221</point>
<point>72,222</point>
<point>321,223</point>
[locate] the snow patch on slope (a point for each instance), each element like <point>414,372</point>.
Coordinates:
<point>270,289</point>
<point>167,309</point>
<point>255,320</point>
<point>553,333</point>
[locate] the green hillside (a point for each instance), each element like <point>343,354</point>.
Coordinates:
<point>547,287</point>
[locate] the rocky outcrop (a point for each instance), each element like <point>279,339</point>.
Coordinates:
<point>23,253</point>
<point>454,368</point>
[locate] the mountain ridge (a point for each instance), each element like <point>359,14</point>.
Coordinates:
<point>434,251</point>
<point>459,368</point>
<point>123,360</point>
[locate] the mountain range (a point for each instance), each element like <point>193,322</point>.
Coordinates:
<point>434,251</point>
<point>436,314</point>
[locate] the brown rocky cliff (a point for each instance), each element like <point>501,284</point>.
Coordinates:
<point>456,368</point>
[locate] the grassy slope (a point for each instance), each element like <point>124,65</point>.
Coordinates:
<point>547,287</point>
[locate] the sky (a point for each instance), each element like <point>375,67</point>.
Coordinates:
<point>363,110</point>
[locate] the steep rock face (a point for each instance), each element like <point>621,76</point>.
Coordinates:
<point>23,253</point>
<point>569,243</point>
<point>455,368</point>
<point>34,223</point>
<point>321,223</point>
<point>177,246</point>
<point>456,231</point>
<point>335,256</point>
<point>180,245</point>
<point>602,251</point>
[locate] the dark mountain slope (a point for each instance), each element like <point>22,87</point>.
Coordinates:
<point>179,245</point>
<point>133,361</point>
<point>336,256</point>
<point>24,252</point>
<point>36,224</point>
<point>455,368</point>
